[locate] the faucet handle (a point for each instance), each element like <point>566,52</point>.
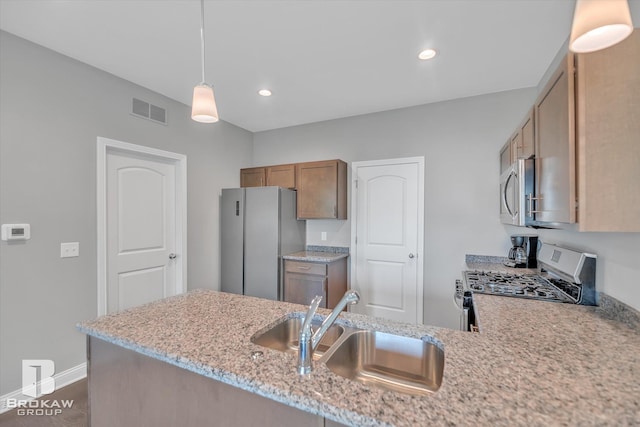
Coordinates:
<point>306,325</point>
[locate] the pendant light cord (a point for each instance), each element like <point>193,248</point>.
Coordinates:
<point>202,36</point>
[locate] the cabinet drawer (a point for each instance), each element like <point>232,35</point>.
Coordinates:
<point>305,267</point>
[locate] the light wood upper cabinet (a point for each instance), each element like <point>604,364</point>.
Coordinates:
<point>608,137</point>
<point>526,142</point>
<point>521,145</point>
<point>505,157</point>
<point>516,142</point>
<point>586,128</point>
<point>281,176</point>
<point>555,198</point>
<point>252,177</point>
<point>322,189</point>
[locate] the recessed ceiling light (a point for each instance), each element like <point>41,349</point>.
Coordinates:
<point>427,54</point>
<point>264,92</point>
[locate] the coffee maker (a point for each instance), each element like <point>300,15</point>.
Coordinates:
<point>524,252</point>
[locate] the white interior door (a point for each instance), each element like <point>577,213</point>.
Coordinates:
<point>388,238</point>
<point>141,229</point>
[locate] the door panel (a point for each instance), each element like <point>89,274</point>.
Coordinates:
<point>139,227</point>
<point>317,189</point>
<point>232,240</point>
<point>252,177</point>
<point>555,148</point>
<point>262,243</point>
<point>387,241</point>
<point>141,286</point>
<point>282,176</point>
<point>386,200</point>
<point>141,230</point>
<point>303,288</point>
<point>384,280</point>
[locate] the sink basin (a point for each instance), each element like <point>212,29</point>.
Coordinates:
<point>284,336</point>
<point>407,365</point>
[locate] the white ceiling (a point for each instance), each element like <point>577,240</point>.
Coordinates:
<point>322,59</point>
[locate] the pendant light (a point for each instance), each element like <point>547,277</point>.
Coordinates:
<point>599,24</point>
<point>203,107</point>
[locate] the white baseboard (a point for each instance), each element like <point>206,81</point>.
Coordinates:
<point>62,379</point>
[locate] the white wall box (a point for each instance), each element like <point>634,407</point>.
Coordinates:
<point>16,232</point>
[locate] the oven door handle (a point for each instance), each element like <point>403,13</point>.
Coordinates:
<point>464,320</point>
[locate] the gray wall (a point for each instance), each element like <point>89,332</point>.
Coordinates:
<point>460,140</point>
<point>52,108</point>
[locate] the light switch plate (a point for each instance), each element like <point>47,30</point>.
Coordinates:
<point>323,235</point>
<point>69,250</point>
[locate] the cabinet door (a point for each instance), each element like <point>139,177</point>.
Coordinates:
<point>302,288</point>
<point>516,144</point>
<point>608,87</point>
<point>555,148</point>
<point>282,176</point>
<point>322,190</point>
<point>527,148</point>
<point>337,282</point>
<point>252,177</point>
<point>505,157</point>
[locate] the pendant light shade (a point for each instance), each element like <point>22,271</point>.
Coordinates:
<point>599,24</point>
<point>203,106</point>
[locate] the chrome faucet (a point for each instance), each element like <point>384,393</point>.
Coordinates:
<point>307,341</point>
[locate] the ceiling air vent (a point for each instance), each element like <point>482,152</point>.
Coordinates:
<point>148,111</point>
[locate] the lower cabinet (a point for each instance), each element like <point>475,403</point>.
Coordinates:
<point>303,280</point>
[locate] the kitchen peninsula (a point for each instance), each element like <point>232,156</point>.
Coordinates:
<point>514,372</point>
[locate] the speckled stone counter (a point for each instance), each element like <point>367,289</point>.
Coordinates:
<point>315,256</point>
<point>494,263</point>
<point>535,364</point>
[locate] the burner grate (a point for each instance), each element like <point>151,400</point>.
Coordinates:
<point>530,286</point>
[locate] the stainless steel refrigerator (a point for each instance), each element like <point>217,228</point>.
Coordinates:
<point>259,225</point>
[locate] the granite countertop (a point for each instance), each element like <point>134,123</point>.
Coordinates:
<point>535,363</point>
<point>315,256</point>
<point>494,263</point>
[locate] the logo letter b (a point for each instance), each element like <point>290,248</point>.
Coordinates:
<point>38,373</point>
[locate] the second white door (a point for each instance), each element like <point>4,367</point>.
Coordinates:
<point>141,230</point>
<point>388,238</point>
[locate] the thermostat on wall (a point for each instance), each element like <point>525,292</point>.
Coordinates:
<point>16,231</point>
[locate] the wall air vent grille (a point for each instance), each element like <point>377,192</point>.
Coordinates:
<point>148,111</point>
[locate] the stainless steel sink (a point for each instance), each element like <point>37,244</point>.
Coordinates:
<point>284,336</point>
<point>402,364</point>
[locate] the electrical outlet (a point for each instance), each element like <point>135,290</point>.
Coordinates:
<point>323,235</point>
<point>69,250</point>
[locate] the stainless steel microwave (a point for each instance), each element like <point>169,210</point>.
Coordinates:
<point>516,191</point>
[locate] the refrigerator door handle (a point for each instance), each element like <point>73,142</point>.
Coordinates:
<point>237,207</point>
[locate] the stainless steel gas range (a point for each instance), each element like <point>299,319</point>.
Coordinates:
<point>566,276</point>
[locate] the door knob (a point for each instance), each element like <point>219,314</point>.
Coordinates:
<point>412,256</point>
<point>172,256</point>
